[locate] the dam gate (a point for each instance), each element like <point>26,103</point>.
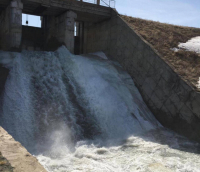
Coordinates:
<point>64,22</point>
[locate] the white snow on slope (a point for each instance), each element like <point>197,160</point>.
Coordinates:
<point>198,83</point>
<point>191,45</point>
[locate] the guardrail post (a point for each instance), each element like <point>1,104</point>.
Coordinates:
<point>98,2</point>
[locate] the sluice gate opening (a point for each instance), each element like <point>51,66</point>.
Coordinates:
<point>32,33</point>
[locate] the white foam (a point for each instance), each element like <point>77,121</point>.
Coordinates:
<point>135,154</point>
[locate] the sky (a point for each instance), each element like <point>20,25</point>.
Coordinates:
<point>178,12</point>
<point>32,20</point>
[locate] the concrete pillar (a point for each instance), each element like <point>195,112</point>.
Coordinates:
<point>81,37</point>
<point>15,23</point>
<point>85,32</point>
<point>4,29</point>
<point>70,17</point>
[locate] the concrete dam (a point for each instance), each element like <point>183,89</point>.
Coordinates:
<point>107,102</point>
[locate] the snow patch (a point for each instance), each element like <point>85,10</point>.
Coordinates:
<point>198,83</point>
<point>175,49</point>
<point>191,45</point>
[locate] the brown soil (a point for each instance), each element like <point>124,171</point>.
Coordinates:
<point>165,36</point>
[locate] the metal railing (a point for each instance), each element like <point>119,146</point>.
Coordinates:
<point>107,3</point>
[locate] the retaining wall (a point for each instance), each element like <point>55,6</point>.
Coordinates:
<point>19,158</point>
<point>3,77</point>
<point>174,103</point>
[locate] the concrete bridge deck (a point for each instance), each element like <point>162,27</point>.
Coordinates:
<point>85,11</point>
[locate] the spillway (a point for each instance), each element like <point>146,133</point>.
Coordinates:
<point>84,113</point>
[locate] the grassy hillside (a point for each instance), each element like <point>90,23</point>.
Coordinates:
<point>165,36</point>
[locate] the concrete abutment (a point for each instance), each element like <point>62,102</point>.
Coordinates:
<point>173,101</point>
<point>61,28</point>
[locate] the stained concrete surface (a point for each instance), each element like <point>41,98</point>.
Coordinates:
<point>19,158</point>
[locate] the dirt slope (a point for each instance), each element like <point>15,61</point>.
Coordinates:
<point>163,37</point>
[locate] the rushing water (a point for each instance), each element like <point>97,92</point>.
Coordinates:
<point>84,113</point>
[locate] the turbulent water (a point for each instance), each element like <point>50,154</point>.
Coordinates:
<point>84,113</point>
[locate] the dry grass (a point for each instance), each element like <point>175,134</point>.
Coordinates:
<point>165,36</point>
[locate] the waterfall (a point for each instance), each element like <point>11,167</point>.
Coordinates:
<point>73,110</point>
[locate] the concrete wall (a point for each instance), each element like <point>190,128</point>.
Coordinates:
<point>174,103</point>
<point>3,77</point>
<point>19,158</point>
<point>61,28</point>
<point>15,24</point>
